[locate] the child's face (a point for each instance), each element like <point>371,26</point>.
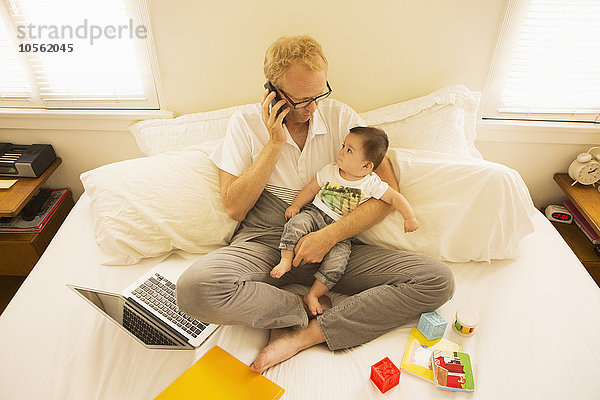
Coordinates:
<point>351,158</point>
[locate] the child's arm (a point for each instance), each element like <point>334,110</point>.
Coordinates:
<point>400,203</point>
<point>307,193</point>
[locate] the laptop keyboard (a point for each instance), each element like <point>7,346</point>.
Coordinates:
<point>159,293</point>
<point>143,330</point>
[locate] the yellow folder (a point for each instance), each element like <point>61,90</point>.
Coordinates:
<point>220,376</point>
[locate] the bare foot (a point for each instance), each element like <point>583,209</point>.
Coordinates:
<point>284,266</point>
<point>279,348</point>
<point>313,304</point>
<point>285,343</point>
<point>323,300</point>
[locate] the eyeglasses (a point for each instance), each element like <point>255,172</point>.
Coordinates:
<point>305,103</point>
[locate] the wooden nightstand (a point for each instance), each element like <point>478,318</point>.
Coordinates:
<point>587,201</point>
<point>20,251</point>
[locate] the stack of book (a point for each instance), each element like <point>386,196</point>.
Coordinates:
<point>18,224</point>
<point>581,222</point>
<point>439,361</point>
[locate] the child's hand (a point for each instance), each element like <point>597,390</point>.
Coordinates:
<point>291,211</point>
<point>411,225</point>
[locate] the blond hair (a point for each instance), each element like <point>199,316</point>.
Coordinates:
<point>288,49</point>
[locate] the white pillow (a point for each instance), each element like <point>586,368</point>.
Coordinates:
<point>155,136</point>
<point>148,206</point>
<point>469,209</point>
<point>442,121</point>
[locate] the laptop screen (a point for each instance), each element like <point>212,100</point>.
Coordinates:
<point>130,319</point>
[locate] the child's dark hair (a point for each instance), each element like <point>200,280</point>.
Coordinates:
<point>375,143</point>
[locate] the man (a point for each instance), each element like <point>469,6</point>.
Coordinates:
<point>264,160</point>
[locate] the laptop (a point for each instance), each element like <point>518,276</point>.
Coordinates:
<point>147,310</point>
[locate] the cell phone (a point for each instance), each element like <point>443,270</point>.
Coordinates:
<point>271,88</point>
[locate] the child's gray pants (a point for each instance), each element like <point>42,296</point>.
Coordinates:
<point>311,219</point>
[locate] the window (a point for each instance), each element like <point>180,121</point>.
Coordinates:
<point>77,54</point>
<point>547,63</point>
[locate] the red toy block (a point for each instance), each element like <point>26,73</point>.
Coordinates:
<point>385,375</point>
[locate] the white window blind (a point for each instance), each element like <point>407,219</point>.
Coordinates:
<point>84,53</point>
<point>548,66</point>
<point>13,82</point>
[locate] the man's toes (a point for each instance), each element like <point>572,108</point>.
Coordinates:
<point>259,364</point>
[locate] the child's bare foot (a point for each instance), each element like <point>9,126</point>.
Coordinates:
<point>284,266</point>
<point>323,300</point>
<point>313,304</point>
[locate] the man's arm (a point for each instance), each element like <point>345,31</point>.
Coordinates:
<point>240,193</point>
<point>313,247</point>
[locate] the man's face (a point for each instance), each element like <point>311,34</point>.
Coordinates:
<point>301,84</point>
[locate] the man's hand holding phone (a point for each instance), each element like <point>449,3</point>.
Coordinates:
<point>272,116</point>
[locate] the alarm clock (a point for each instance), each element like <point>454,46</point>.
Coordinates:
<point>585,169</point>
<point>558,214</point>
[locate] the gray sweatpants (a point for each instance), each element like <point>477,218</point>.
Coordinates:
<point>311,219</point>
<point>232,285</point>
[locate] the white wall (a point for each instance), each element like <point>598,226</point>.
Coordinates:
<point>210,56</point>
<point>536,162</point>
<point>80,151</point>
<point>211,53</point>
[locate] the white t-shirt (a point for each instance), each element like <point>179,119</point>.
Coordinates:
<point>247,135</point>
<point>339,196</point>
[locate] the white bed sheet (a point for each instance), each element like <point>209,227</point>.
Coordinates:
<point>537,336</point>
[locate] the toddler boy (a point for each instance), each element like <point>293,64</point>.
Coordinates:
<point>337,190</point>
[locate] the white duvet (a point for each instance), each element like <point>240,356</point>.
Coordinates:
<point>537,336</point>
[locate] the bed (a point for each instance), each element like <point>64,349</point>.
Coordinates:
<point>536,339</point>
